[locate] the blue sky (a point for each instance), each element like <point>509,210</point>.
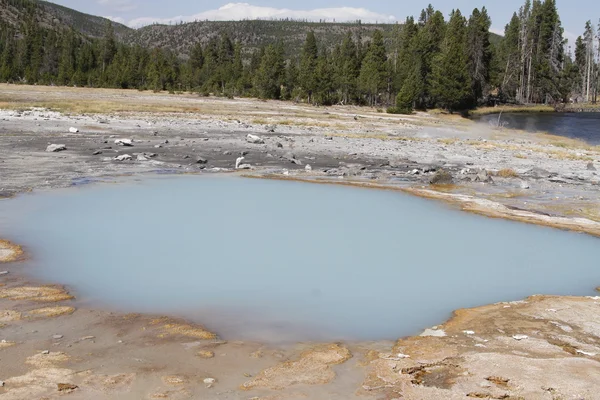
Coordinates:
<point>573,13</point>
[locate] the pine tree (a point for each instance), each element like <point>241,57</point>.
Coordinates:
<point>451,84</point>
<point>373,74</point>
<point>270,73</point>
<point>478,46</point>
<point>109,46</point>
<point>308,65</point>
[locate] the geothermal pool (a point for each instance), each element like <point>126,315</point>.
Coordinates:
<point>276,261</point>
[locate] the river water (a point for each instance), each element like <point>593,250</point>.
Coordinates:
<point>584,126</point>
<point>276,261</point>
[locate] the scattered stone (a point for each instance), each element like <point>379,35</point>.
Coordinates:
<point>590,167</point>
<point>520,337</point>
<point>57,337</point>
<point>227,153</point>
<point>73,130</point>
<point>525,185</point>
<point>66,387</point>
<point>254,139</point>
<point>55,148</point>
<point>585,353</point>
<point>45,352</point>
<point>291,157</point>
<point>483,177</point>
<point>279,145</point>
<point>123,157</point>
<point>469,332</point>
<point>158,146</point>
<point>97,153</point>
<point>124,142</point>
<point>141,157</point>
<point>87,338</point>
<point>166,141</point>
<point>433,333</point>
<point>1,383</point>
<point>201,160</point>
<point>442,177</point>
<point>210,381</point>
<point>2,273</point>
<point>308,168</point>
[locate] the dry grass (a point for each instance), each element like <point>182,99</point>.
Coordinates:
<point>47,360</point>
<point>182,329</point>
<point>48,294</point>
<point>51,312</point>
<point>206,354</point>
<point>6,344</point>
<point>312,368</point>
<point>511,109</point>
<point>9,316</point>
<point>10,252</point>
<point>449,141</point>
<point>508,173</point>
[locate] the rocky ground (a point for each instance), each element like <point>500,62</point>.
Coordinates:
<point>541,348</point>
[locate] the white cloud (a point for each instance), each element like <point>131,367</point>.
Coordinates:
<point>119,5</point>
<point>241,11</point>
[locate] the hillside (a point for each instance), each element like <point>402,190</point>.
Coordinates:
<point>89,25</point>
<point>252,34</point>
<point>55,17</point>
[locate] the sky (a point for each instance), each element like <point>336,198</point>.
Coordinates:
<point>136,13</point>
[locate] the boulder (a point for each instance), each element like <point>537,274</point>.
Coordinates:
<point>590,167</point>
<point>55,148</point>
<point>124,142</point>
<point>254,139</point>
<point>442,177</point>
<point>201,160</point>
<point>123,157</point>
<point>73,130</point>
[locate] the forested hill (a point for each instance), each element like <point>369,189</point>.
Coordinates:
<point>46,15</point>
<point>255,34</point>
<point>431,61</point>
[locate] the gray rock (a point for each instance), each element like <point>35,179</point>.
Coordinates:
<point>590,167</point>
<point>73,130</point>
<point>291,157</point>
<point>97,153</point>
<point>227,153</point>
<point>56,337</point>
<point>45,352</point>
<point>158,146</point>
<point>308,167</point>
<point>254,139</point>
<point>525,185</point>
<point>201,160</point>
<point>484,177</point>
<point>1,383</point>
<point>2,273</point>
<point>442,177</point>
<point>55,148</point>
<point>124,142</point>
<point>279,145</point>
<point>123,157</point>
<point>141,157</point>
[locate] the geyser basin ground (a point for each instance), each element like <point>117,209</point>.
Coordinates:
<point>274,260</point>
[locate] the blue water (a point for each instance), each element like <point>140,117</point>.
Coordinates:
<point>272,260</point>
<point>583,126</point>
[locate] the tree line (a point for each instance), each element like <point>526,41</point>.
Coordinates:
<point>428,62</point>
